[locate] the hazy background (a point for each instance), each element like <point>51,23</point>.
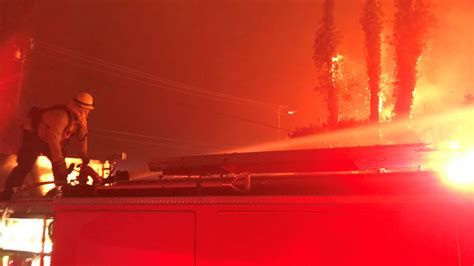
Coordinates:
<point>189,77</point>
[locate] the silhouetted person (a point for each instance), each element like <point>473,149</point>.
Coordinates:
<point>45,131</point>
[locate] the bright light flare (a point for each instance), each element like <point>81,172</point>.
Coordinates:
<point>458,172</point>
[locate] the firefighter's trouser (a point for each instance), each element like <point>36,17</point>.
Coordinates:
<point>29,151</point>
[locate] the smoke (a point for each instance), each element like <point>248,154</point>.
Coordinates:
<point>446,69</point>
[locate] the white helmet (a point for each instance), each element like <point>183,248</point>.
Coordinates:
<point>84,100</point>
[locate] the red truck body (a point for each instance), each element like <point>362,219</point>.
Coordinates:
<point>308,230</point>
<point>350,217</point>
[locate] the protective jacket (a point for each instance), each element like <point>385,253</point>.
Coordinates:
<point>55,126</point>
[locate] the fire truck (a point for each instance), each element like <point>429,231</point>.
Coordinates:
<point>367,205</point>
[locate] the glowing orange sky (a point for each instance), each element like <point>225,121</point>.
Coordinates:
<point>257,49</point>
<point>446,69</point>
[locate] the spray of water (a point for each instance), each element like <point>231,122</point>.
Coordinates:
<point>456,125</point>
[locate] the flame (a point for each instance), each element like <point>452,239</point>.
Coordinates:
<point>22,234</point>
<point>336,58</point>
<point>334,67</point>
<point>385,100</point>
<point>381,101</point>
<point>46,172</point>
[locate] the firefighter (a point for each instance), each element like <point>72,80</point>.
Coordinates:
<point>46,131</point>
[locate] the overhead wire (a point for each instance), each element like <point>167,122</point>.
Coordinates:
<point>169,141</point>
<point>175,85</point>
<point>248,120</point>
<point>161,86</point>
<point>147,79</point>
<point>146,143</point>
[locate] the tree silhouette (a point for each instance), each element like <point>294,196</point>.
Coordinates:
<point>371,21</point>
<point>413,20</point>
<point>325,60</point>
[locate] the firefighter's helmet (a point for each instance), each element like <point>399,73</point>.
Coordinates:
<point>84,100</point>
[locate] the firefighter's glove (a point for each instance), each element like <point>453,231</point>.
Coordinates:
<point>60,172</point>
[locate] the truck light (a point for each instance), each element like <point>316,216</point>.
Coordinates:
<point>458,172</point>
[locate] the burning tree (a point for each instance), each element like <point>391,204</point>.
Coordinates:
<point>372,24</point>
<point>413,19</point>
<point>325,60</point>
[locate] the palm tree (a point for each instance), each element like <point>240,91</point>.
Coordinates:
<point>413,20</point>
<point>324,46</point>
<point>371,21</point>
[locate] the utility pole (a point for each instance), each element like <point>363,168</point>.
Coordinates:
<point>280,109</point>
<point>283,109</point>
<point>15,46</point>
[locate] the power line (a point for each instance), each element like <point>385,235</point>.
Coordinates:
<point>247,120</point>
<point>168,140</point>
<point>251,121</point>
<point>148,143</point>
<point>151,79</point>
